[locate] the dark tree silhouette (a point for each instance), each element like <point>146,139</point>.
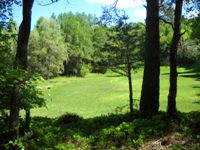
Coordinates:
<point>172,58</point>
<point>149,103</point>
<point>20,63</point>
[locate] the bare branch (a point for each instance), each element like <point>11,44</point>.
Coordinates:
<point>180,43</point>
<point>51,2</point>
<point>183,33</point>
<point>115,3</point>
<point>116,70</point>
<point>167,22</point>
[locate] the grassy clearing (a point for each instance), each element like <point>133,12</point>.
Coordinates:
<point>87,125</point>
<point>98,94</point>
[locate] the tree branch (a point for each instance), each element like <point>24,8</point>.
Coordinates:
<point>181,34</point>
<point>51,2</point>
<point>167,22</point>
<point>116,70</point>
<point>115,3</point>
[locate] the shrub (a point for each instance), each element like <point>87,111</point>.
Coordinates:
<point>85,69</point>
<point>69,118</point>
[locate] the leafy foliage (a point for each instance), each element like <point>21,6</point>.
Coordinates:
<point>69,118</point>
<point>127,131</point>
<point>8,76</point>
<point>78,34</point>
<point>189,52</point>
<point>122,46</point>
<point>188,47</point>
<point>47,49</point>
<point>31,96</point>
<point>99,62</point>
<point>195,28</point>
<point>6,10</point>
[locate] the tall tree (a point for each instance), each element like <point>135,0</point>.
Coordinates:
<point>47,49</point>
<point>78,33</point>
<point>123,49</point>
<point>99,63</point>
<point>149,103</point>
<point>196,28</point>
<point>171,108</point>
<point>21,63</point>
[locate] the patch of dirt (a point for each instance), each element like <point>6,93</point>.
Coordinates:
<point>166,142</point>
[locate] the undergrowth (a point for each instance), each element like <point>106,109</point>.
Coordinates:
<point>121,131</point>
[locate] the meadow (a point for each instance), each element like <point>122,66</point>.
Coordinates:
<point>101,94</point>
<point>90,113</point>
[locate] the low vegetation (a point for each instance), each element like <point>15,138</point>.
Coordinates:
<point>125,131</point>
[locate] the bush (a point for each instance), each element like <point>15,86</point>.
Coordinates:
<point>85,69</point>
<point>69,118</point>
<point>189,53</point>
<point>76,67</point>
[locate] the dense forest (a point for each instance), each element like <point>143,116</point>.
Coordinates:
<point>74,46</point>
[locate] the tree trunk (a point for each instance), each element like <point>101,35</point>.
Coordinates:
<point>171,108</point>
<point>14,112</point>
<point>28,119</point>
<point>149,103</point>
<point>130,85</point>
<point>21,63</point>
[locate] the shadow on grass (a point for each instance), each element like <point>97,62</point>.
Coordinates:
<point>191,72</point>
<point>195,75</point>
<point>114,75</point>
<point>188,74</point>
<point>198,95</point>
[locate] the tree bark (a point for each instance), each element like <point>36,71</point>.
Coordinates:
<point>28,119</point>
<point>171,108</point>
<point>20,63</point>
<point>149,103</point>
<point>130,84</point>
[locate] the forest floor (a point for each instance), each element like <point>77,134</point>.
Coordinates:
<point>122,131</point>
<point>174,141</point>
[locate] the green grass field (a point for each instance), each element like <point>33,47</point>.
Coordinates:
<point>98,94</point>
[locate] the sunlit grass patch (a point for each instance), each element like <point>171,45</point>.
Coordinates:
<point>100,94</point>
